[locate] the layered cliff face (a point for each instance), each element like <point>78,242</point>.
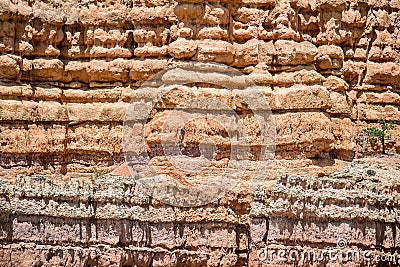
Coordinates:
<point>353,214</point>
<point>69,70</point>
<point>349,218</point>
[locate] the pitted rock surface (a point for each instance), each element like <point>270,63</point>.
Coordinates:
<point>69,69</point>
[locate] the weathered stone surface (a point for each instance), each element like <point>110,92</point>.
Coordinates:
<point>151,51</point>
<point>114,47</point>
<point>7,90</point>
<point>247,54</point>
<point>96,112</point>
<point>95,95</point>
<point>375,113</point>
<point>215,51</point>
<point>293,53</point>
<point>334,83</point>
<point>182,48</point>
<point>383,73</point>
<point>43,217</point>
<point>9,67</point>
<point>261,76</point>
<point>310,97</point>
<point>307,133</point>
<point>329,57</point>
<point>44,70</point>
<point>98,70</point>
<point>95,137</point>
<point>325,210</point>
<point>68,69</point>
<point>37,138</point>
<point>32,111</point>
<point>309,77</point>
<point>48,93</point>
<point>380,98</point>
<point>142,70</point>
<point>340,104</point>
<point>344,132</point>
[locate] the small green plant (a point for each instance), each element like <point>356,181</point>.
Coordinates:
<point>375,134</point>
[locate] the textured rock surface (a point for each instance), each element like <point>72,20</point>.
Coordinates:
<point>111,222</point>
<point>69,68</point>
<point>358,205</point>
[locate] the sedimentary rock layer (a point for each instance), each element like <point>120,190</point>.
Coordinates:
<point>69,69</point>
<point>111,222</point>
<point>352,214</point>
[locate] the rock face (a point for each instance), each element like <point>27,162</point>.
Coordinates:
<point>69,69</point>
<point>351,216</point>
<point>111,222</point>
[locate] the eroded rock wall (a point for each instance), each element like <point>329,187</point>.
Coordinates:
<point>111,222</point>
<point>68,70</point>
<point>349,218</point>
